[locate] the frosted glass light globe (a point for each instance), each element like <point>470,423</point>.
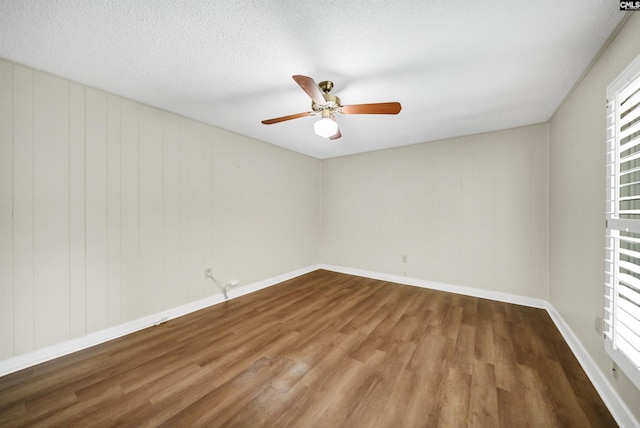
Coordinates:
<point>325,127</point>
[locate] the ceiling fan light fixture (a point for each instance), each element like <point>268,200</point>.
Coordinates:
<point>326,127</point>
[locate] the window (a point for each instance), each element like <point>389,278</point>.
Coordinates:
<point>622,262</point>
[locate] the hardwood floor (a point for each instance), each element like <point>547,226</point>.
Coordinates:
<point>327,350</point>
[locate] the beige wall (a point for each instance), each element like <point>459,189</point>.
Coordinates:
<point>577,194</point>
<point>468,211</point>
<point>111,210</point>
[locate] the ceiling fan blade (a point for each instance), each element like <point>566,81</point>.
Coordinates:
<point>338,134</point>
<point>284,118</point>
<point>311,88</point>
<point>378,108</point>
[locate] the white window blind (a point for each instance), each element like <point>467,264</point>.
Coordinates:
<point>622,261</point>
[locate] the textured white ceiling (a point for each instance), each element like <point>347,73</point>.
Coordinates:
<point>457,67</point>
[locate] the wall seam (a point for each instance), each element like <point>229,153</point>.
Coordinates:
<point>107,207</point>
<point>33,221</point>
<point>84,210</point>
<point>69,334</point>
<point>13,228</point>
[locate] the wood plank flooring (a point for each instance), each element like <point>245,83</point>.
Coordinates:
<point>321,350</point>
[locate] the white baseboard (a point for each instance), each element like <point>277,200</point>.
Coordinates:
<point>38,356</point>
<point>246,289</point>
<point>458,289</point>
<point>610,397</point>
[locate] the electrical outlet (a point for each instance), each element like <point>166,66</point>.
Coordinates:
<point>208,273</point>
<point>404,258</point>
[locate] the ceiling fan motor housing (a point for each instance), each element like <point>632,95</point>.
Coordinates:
<point>332,103</point>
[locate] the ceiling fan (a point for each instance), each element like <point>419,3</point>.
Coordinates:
<point>327,105</point>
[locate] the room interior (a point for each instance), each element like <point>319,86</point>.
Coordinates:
<point>115,200</point>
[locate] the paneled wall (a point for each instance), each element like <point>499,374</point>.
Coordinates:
<point>111,210</point>
<point>468,211</point>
